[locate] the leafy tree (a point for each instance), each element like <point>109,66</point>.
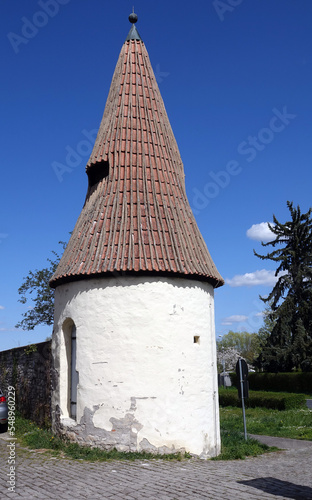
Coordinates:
<point>246,344</point>
<point>36,287</point>
<point>227,358</point>
<point>289,346</point>
<point>269,322</point>
<point>264,333</point>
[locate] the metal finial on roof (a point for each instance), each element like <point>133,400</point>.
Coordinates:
<point>133,33</point>
<point>133,17</point>
<point>135,141</point>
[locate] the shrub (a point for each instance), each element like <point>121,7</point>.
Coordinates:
<point>299,382</point>
<point>270,400</point>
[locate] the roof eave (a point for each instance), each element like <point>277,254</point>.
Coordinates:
<point>61,280</point>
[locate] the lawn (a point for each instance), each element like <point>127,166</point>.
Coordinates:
<point>296,424</point>
<point>29,434</point>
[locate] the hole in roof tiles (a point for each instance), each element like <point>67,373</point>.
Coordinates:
<point>96,172</point>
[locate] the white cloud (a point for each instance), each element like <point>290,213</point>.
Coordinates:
<point>261,232</point>
<point>262,277</point>
<point>1,307</point>
<point>236,318</point>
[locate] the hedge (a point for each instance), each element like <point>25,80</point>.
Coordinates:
<point>270,400</point>
<point>298,382</point>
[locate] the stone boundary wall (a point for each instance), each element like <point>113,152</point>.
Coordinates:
<point>28,370</point>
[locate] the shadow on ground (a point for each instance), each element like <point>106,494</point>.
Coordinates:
<point>280,488</point>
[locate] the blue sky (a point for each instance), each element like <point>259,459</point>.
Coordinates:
<point>235,76</point>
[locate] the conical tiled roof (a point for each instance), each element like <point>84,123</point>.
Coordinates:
<point>136,217</point>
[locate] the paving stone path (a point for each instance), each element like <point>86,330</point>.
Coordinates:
<point>280,475</point>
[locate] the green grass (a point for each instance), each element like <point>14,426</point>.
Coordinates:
<point>30,435</point>
<point>234,446</point>
<point>296,424</point>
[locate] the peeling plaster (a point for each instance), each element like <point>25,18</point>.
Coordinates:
<point>140,330</point>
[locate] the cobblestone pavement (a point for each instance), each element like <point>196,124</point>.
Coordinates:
<point>280,475</point>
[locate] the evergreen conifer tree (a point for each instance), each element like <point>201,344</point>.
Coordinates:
<point>290,344</point>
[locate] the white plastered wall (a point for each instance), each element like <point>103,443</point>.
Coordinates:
<point>137,360</point>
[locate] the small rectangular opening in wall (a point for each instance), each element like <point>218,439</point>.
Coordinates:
<point>196,339</point>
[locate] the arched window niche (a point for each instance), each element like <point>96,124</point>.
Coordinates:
<point>68,368</point>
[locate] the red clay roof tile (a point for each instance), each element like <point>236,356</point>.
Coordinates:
<point>137,218</point>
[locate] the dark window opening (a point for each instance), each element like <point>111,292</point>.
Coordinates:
<point>97,172</point>
<point>74,375</point>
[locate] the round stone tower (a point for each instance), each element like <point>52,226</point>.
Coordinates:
<point>134,340</point>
